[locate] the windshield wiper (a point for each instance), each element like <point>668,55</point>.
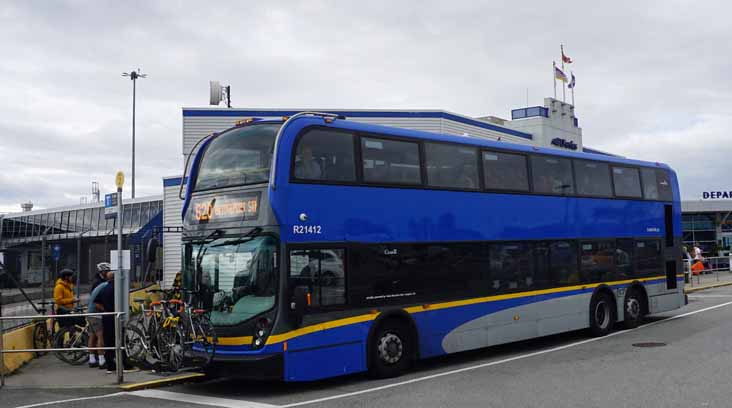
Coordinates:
<point>253,233</point>
<point>199,255</point>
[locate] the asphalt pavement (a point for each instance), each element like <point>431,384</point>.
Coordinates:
<point>689,364</point>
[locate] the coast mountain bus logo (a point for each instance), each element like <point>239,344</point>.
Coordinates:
<point>716,195</point>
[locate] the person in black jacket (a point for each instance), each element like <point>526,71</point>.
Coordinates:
<point>101,276</point>
<point>105,303</point>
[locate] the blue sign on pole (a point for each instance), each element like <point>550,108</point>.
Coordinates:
<point>110,205</point>
<point>56,252</point>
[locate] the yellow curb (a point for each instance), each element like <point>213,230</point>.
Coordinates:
<point>161,382</point>
<point>714,285</point>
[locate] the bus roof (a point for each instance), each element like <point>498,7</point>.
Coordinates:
<point>471,140</point>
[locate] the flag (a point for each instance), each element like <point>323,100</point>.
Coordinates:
<point>571,82</point>
<point>558,74</point>
<point>565,58</point>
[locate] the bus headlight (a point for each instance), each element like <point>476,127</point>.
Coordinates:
<point>261,331</point>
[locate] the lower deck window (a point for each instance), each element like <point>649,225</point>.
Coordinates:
<point>322,271</point>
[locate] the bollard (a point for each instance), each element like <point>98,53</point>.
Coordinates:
<point>119,364</point>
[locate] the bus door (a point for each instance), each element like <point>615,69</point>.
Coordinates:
<point>672,264</point>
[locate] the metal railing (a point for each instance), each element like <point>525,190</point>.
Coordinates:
<point>118,344</point>
<point>718,265</point>
<point>17,309</point>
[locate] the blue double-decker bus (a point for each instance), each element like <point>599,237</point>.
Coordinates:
<point>326,247</point>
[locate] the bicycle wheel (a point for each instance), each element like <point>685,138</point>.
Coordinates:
<point>136,344</point>
<point>40,337</point>
<point>71,337</point>
<point>204,341</point>
<point>170,346</point>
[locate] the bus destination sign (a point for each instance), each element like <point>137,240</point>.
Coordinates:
<point>232,207</point>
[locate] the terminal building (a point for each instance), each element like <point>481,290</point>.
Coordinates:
<point>553,125</point>
<point>76,237</point>
<point>709,224</point>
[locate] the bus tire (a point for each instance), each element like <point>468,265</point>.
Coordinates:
<point>390,350</point>
<point>602,314</point>
<point>633,310</point>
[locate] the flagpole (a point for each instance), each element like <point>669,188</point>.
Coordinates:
<point>573,86</point>
<point>554,75</point>
<point>564,88</point>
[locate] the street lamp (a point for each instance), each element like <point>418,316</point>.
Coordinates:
<point>133,75</point>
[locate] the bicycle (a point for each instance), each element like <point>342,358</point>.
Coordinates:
<point>187,335</point>
<point>172,333</point>
<point>141,333</point>
<point>42,339</point>
<point>73,336</point>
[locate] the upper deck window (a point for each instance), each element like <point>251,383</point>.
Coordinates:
<point>626,181</point>
<point>325,154</point>
<point>505,171</point>
<point>663,181</point>
<point>650,185</point>
<point>593,178</point>
<point>451,166</point>
<point>390,161</point>
<point>552,175</point>
<point>238,157</point>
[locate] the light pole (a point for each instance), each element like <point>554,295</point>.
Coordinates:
<point>133,76</point>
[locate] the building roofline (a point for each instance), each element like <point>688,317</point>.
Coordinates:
<point>360,113</point>
<point>706,206</point>
<point>81,207</point>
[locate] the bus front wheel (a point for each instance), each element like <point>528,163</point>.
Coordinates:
<point>633,310</point>
<point>390,350</point>
<point>602,314</point>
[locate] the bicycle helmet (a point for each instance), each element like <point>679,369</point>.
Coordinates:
<point>104,267</point>
<point>66,272</point>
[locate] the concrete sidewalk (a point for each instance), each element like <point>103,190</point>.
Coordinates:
<point>50,372</point>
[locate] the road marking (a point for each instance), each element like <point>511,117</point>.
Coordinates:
<point>708,296</point>
<point>40,404</point>
<point>493,363</point>
<point>199,399</point>
<point>235,403</point>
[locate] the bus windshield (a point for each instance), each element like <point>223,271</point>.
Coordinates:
<point>238,157</point>
<point>237,276</point>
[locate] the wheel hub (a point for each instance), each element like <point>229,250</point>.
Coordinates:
<point>602,315</point>
<point>390,348</point>
<point>632,306</point>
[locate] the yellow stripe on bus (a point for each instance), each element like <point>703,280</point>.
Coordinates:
<point>234,341</point>
<point>278,338</point>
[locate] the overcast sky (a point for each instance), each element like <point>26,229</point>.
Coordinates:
<point>654,79</point>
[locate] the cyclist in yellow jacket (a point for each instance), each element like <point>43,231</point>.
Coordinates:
<point>63,292</point>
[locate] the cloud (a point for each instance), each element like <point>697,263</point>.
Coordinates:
<point>653,77</point>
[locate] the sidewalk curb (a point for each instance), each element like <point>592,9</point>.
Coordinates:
<point>174,379</point>
<point>714,285</point>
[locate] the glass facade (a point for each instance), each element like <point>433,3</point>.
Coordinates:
<point>68,222</point>
<point>704,229</point>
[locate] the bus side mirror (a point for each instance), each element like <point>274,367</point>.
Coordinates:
<point>299,304</point>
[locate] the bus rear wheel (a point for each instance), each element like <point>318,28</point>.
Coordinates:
<point>602,314</point>
<point>633,310</point>
<point>390,350</point>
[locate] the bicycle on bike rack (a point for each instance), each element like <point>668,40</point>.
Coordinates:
<point>173,333</point>
<point>141,331</point>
